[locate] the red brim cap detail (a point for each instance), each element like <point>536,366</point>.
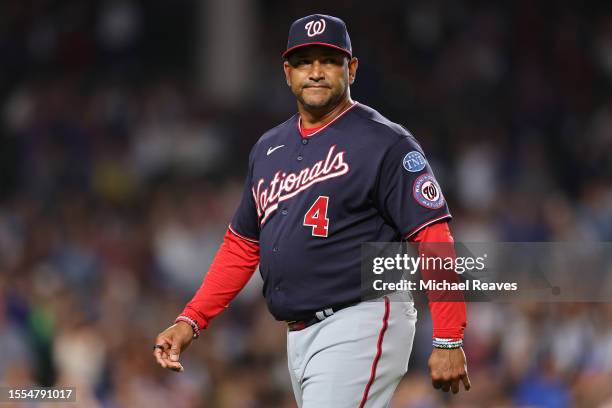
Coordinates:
<point>317,43</point>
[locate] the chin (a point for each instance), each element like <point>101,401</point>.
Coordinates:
<point>316,102</point>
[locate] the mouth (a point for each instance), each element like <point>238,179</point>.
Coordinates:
<point>316,86</point>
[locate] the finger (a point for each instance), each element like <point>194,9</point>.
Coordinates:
<point>164,359</point>
<point>157,352</point>
<point>160,360</point>
<point>172,365</point>
<point>455,385</point>
<point>446,386</point>
<point>167,359</point>
<point>466,382</point>
<point>164,342</point>
<point>436,384</point>
<point>174,352</point>
<point>165,345</point>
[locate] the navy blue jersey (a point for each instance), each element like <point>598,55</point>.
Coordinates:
<point>311,202</point>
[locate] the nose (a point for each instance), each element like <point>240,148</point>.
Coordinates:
<point>316,73</point>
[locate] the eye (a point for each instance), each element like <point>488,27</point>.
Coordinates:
<point>332,61</point>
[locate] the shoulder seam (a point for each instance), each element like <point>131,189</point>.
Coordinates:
<point>279,125</point>
<point>385,125</point>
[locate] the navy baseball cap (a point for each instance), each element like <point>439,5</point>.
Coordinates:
<point>319,29</point>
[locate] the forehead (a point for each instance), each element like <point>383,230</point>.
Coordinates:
<point>316,51</point>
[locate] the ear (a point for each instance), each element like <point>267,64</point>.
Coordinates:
<point>287,69</point>
<point>352,65</point>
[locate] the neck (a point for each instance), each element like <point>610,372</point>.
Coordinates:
<point>319,117</point>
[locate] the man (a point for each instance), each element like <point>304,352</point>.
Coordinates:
<point>335,175</point>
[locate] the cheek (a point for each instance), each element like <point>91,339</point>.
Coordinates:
<point>295,80</point>
<point>341,81</point>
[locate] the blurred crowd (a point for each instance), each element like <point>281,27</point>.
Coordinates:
<point>118,177</point>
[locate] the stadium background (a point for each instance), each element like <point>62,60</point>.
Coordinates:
<point>124,133</point>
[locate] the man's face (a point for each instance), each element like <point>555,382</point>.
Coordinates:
<point>319,76</point>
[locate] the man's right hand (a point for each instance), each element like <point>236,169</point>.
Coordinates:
<point>173,341</point>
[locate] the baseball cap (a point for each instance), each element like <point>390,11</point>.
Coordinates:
<point>319,29</point>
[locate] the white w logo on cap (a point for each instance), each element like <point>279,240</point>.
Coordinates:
<point>315,27</point>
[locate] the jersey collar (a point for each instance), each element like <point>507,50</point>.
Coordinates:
<point>299,122</point>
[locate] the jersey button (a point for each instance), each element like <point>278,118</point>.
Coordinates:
<point>284,211</point>
<point>300,158</point>
<point>304,141</point>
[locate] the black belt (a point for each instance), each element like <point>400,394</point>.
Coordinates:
<point>316,317</point>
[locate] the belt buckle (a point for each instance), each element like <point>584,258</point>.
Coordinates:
<point>296,325</point>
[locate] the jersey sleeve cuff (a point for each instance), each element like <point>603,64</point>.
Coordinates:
<point>233,231</point>
<point>425,224</point>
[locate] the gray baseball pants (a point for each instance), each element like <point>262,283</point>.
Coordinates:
<point>354,358</point>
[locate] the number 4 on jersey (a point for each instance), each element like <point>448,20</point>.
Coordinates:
<point>316,217</point>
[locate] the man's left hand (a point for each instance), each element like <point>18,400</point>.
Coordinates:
<point>448,367</point>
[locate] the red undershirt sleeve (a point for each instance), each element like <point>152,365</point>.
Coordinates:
<point>229,272</point>
<point>449,317</point>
